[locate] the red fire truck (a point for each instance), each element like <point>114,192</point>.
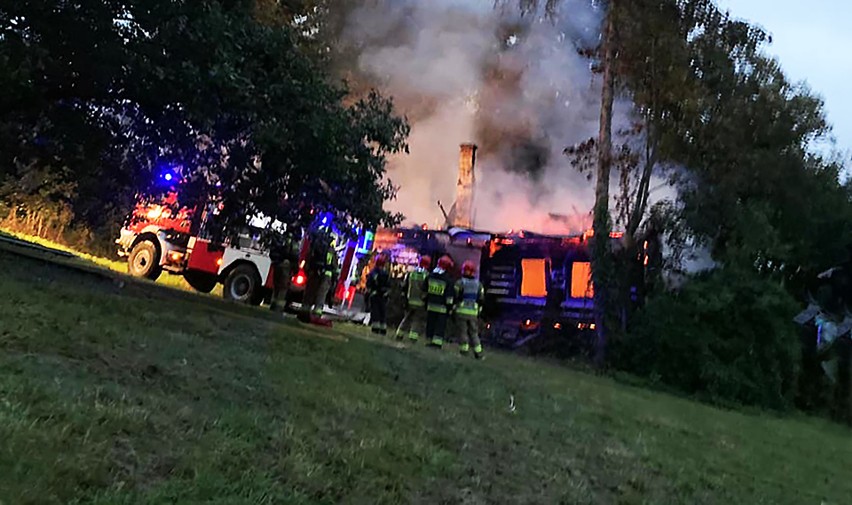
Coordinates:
<point>158,238</point>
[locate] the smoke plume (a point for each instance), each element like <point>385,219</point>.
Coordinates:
<point>463,71</point>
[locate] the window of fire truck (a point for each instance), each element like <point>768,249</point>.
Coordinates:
<point>534,278</point>
<point>207,226</point>
<point>581,280</point>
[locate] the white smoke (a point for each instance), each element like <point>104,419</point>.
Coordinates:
<point>467,72</point>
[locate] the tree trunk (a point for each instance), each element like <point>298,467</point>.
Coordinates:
<point>601,268</point>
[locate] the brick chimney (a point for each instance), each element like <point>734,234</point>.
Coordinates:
<point>462,213</point>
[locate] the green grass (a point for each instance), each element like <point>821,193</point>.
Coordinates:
<point>119,393</point>
<point>114,264</point>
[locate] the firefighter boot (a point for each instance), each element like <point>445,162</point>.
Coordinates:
<point>464,349</point>
<point>477,352</point>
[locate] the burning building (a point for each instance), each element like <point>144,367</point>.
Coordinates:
<point>535,284</point>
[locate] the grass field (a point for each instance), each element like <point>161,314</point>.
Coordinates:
<point>114,264</point>
<point>119,393</point>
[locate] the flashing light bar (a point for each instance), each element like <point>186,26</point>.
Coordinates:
<point>155,213</point>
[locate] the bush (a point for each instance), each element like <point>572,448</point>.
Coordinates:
<point>727,336</point>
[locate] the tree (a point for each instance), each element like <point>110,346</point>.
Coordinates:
<point>58,152</point>
<point>318,153</point>
<point>104,95</point>
<point>752,189</point>
<point>602,225</point>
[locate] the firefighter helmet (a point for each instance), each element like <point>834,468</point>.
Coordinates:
<point>469,269</point>
<point>426,262</point>
<point>445,263</point>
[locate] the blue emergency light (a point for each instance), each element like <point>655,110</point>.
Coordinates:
<point>326,219</point>
<point>167,174</point>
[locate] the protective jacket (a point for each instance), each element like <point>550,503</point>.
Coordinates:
<point>469,296</point>
<point>439,292</point>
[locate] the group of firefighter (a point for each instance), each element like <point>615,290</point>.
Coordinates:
<point>431,297</point>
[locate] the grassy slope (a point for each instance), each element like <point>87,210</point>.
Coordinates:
<point>114,393</point>
<point>114,264</point>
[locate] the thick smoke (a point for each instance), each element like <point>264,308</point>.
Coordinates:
<point>517,86</point>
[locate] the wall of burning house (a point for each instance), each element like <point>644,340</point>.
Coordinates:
<point>537,287</point>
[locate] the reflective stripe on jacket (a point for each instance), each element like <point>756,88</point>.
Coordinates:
<point>414,287</point>
<point>469,294</point>
<point>438,290</point>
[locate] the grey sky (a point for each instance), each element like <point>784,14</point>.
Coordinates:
<point>813,41</point>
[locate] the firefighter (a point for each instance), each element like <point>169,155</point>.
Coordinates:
<point>281,255</point>
<point>378,290</point>
<point>414,321</point>
<point>325,268</point>
<point>438,291</point>
<point>469,297</point>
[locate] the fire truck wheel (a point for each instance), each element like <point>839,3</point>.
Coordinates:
<point>144,261</point>
<point>201,281</point>
<point>242,285</point>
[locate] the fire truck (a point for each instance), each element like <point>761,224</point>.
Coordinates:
<point>167,237</point>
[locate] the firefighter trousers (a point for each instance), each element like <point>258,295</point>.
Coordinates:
<point>322,293</point>
<point>413,323</point>
<point>436,327</point>
<point>469,334</point>
<point>281,285</point>
<point>379,313</point>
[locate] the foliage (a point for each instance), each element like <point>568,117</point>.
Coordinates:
<point>58,153</point>
<point>753,190</point>
<point>736,138</point>
<point>725,336</point>
<point>186,400</point>
<point>105,95</point>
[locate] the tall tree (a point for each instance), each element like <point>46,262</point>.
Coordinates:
<point>602,225</point>
<point>602,274</point>
<point>104,95</point>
